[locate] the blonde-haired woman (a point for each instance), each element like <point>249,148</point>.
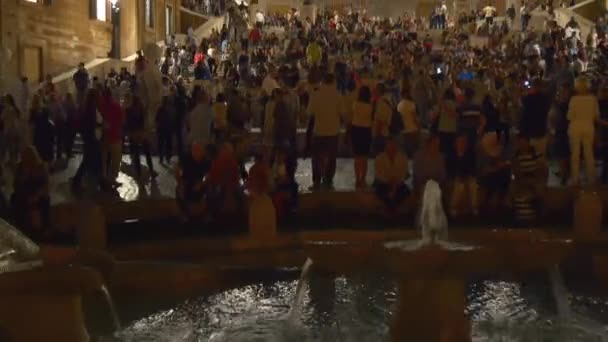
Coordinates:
<point>583,112</point>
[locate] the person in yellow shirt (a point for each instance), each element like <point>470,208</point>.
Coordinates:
<point>314,53</point>
<point>324,112</point>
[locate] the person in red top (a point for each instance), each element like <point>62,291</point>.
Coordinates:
<point>255,36</point>
<point>113,122</point>
<point>223,180</point>
<point>199,56</point>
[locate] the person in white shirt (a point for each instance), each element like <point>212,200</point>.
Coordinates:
<point>583,112</point>
<point>324,110</point>
<point>592,41</point>
<point>198,121</point>
<point>443,16</point>
<point>525,17</point>
<point>489,12</point>
<point>409,118</point>
<point>259,18</point>
<point>391,167</point>
<point>270,83</point>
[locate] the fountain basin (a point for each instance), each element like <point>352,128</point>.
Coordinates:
<point>45,304</point>
<point>434,260</point>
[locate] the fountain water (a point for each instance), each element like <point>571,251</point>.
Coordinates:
<point>432,220</point>
<point>112,307</point>
<point>560,293</point>
<point>567,319</point>
<point>299,296</point>
<point>17,252</point>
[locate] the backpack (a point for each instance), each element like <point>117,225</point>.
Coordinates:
<point>396,125</point>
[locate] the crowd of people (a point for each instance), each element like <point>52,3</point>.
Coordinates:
<point>206,7</point>
<point>424,105</point>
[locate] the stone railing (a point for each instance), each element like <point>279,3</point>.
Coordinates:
<point>589,9</point>
<point>563,15</point>
<point>205,29</point>
<point>189,18</point>
<point>100,67</point>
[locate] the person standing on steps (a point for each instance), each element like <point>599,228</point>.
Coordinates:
<point>361,134</point>
<point>81,83</point>
<point>138,140</point>
<point>324,112</point>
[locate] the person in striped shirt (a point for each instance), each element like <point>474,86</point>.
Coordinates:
<point>529,180</point>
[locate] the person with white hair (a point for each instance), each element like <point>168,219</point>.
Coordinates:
<point>583,112</point>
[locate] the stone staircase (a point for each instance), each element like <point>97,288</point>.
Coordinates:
<point>100,67</point>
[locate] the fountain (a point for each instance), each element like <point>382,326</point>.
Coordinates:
<point>432,219</point>
<point>48,298</point>
<point>17,252</point>
<point>433,271</point>
<point>299,297</point>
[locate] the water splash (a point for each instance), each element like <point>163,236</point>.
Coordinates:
<point>432,220</point>
<point>299,296</point>
<point>17,252</point>
<point>433,224</point>
<point>569,321</point>
<point>112,307</point>
<point>560,293</point>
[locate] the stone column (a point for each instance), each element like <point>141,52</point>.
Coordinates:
<point>9,38</point>
<point>262,217</point>
<point>431,310</point>
<point>129,28</point>
<point>45,304</point>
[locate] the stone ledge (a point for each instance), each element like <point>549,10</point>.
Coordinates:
<point>556,202</point>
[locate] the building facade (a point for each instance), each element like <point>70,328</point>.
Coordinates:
<point>48,37</point>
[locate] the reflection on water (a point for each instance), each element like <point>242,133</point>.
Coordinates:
<point>359,309</point>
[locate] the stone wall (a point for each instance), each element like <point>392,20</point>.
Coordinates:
<point>190,19</point>
<point>64,32</point>
<point>591,10</point>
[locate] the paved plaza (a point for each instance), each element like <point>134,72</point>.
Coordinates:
<point>163,185</point>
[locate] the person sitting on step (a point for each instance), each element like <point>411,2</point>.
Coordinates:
<point>223,181</point>
<point>391,168</point>
<point>463,166</point>
<point>285,195</point>
<point>190,174</point>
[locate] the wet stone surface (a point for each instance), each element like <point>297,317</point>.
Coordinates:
<point>132,188</point>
